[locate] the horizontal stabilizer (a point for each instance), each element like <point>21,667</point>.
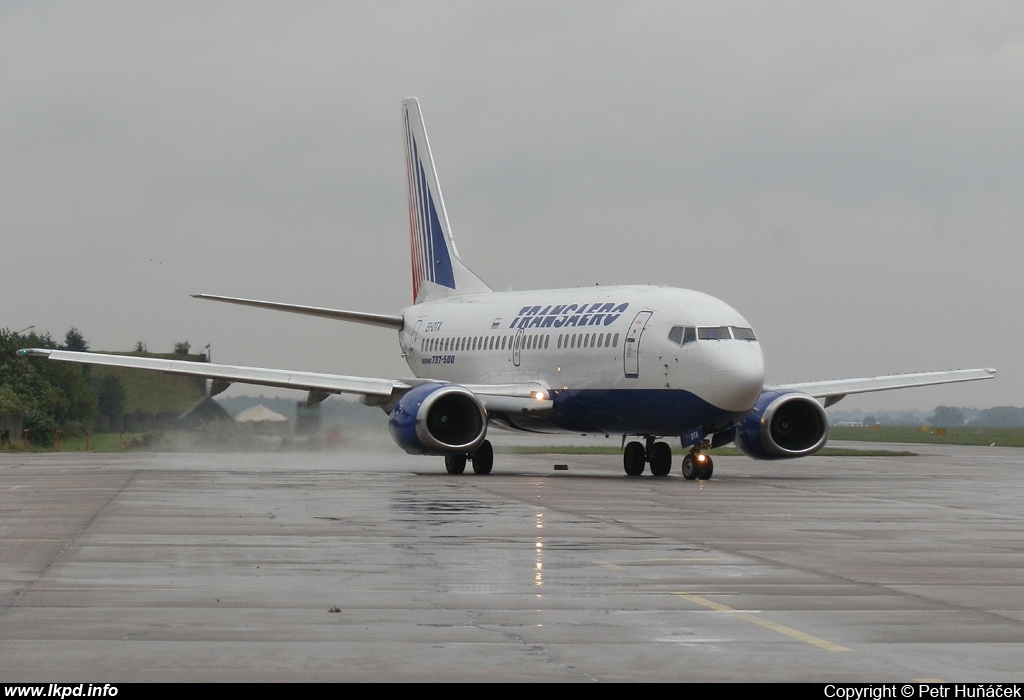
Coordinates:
<point>385,320</point>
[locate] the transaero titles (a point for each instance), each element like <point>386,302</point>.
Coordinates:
<point>923,690</point>
<point>568,315</point>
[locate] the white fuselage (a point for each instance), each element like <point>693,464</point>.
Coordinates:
<point>607,354</point>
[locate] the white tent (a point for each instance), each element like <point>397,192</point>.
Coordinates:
<point>260,414</point>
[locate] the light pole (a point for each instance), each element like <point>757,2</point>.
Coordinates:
<point>23,330</point>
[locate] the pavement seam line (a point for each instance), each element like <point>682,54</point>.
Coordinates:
<point>74,537</point>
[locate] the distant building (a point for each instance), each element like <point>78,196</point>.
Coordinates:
<point>203,411</point>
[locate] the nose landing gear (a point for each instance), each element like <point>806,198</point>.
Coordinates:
<point>697,465</point>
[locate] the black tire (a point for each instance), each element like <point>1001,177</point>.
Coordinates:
<point>483,458</point>
<point>455,464</point>
<point>689,468</point>
<point>634,459</point>
<point>705,472</point>
<point>661,459</point>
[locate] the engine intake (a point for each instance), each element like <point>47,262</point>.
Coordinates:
<point>783,425</point>
<point>438,419</point>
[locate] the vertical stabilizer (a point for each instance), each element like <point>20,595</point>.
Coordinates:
<point>437,270</point>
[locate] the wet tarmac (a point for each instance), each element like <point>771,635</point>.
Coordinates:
<point>183,567</point>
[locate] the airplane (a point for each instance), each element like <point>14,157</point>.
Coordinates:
<point>644,362</point>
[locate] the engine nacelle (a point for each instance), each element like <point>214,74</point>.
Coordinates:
<point>437,419</point>
<point>783,425</point>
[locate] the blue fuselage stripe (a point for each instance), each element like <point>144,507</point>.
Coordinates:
<point>633,411</point>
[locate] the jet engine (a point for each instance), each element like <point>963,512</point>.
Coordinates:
<point>783,425</point>
<point>437,419</point>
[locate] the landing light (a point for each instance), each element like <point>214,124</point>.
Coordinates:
<point>702,458</point>
<point>539,395</point>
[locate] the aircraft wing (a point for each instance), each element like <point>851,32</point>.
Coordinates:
<point>288,379</point>
<point>505,398</point>
<point>835,389</point>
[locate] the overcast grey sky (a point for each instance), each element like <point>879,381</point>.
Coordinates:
<point>849,176</point>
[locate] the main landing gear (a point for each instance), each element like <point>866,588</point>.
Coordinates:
<point>658,454</point>
<point>483,460</point>
<point>696,464</point>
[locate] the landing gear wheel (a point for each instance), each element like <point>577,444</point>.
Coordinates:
<point>634,459</point>
<point>689,468</point>
<point>483,458</point>
<point>455,464</point>
<point>694,469</point>
<point>661,459</point>
<point>705,472</point>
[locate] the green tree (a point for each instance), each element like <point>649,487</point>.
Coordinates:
<point>36,393</point>
<point>10,402</point>
<point>57,389</point>
<point>11,342</point>
<point>946,417</point>
<point>73,340</point>
<point>41,428</point>
<point>1000,417</point>
<point>48,393</point>
<point>182,348</point>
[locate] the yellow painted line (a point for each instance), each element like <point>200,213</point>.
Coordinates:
<point>761,622</point>
<point>609,565</point>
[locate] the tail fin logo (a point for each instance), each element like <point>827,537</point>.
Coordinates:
<point>431,258</point>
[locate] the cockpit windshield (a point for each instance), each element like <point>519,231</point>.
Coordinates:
<point>682,335</point>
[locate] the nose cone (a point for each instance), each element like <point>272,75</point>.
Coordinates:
<point>737,375</point>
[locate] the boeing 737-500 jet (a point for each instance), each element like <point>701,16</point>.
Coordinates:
<point>638,361</point>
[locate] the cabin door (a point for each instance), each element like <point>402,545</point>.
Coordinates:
<point>631,348</point>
